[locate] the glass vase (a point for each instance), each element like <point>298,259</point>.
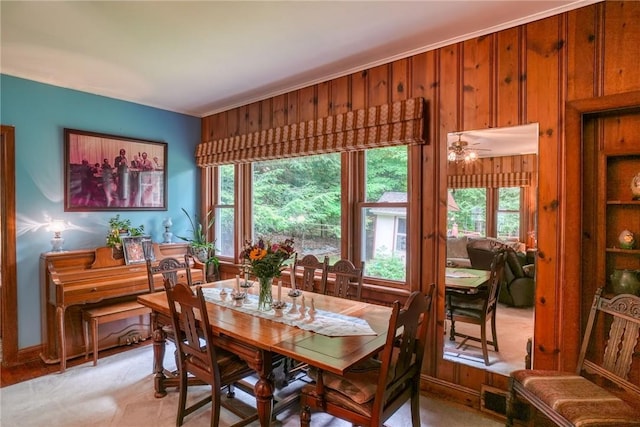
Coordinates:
<point>265,297</point>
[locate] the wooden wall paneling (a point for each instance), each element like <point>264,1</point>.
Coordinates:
<point>582,50</point>
<point>323,100</point>
<point>399,86</point>
<point>307,104</point>
<point>358,90</point>
<point>278,111</point>
<point>233,125</point>
<point>477,83</point>
<point>421,83</point>
<point>292,108</point>
<point>507,72</point>
<point>266,113</point>
<point>253,117</point>
<point>378,91</point>
<point>339,92</point>
<point>543,103</point>
<point>622,33</point>
<point>243,119</point>
<point>446,119</point>
<point>214,127</point>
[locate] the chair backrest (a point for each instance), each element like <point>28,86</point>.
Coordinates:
<point>310,264</point>
<point>169,268</point>
<point>496,277</point>
<point>622,313</point>
<point>348,279</point>
<point>188,312</point>
<point>402,355</point>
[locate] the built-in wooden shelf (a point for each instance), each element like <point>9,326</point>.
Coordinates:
<point>624,251</point>
<point>624,202</point>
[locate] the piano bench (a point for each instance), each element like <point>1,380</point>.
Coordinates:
<point>105,314</point>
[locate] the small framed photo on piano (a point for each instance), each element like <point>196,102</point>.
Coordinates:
<point>137,249</point>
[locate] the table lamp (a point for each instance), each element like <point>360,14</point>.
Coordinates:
<point>57,226</point>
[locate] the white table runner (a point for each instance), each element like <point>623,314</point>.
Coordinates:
<point>324,322</point>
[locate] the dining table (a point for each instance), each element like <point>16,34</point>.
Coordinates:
<point>468,280</point>
<point>310,336</point>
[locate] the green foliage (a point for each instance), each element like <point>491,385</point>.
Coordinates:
<point>119,227</point>
<point>199,239</point>
<point>386,266</point>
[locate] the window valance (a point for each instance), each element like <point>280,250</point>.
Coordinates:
<point>400,123</point>
<point>493,180</point>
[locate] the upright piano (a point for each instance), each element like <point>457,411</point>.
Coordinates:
<point>72,280</point>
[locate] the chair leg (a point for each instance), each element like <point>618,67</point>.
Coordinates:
<point>452,331</point>
<point>493,330</point>
<point>483,340</point>
<point>511,396</point>
<point>305,416</point>
<point>94,337</point>
<point>182,399</point>
<point>415,407</point>
<point>215,407</point>
<point>85,337</point>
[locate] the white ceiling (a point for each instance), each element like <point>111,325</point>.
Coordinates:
<point>204,57</point>
<point>498,142</point>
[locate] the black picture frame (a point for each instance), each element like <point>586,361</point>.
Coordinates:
<point>113,173</point>
<point>137,249</point>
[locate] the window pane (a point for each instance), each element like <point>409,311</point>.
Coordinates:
<point>385,228</point>
<point>386,172</point>
<point>227,185</point>
<point>508,213</point>
<point>224,227</point>
<point>299,198</point>
<point>224,211</point>
<point>385,242</point>
<point>471,216</point>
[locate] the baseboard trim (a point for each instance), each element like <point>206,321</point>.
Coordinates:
<point>451,391</point>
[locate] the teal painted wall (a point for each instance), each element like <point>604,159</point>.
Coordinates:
<point>39,113</point>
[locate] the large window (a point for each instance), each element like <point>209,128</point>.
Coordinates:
<point>359,213</point>
<point>299,198</point>
<point>493,212</point>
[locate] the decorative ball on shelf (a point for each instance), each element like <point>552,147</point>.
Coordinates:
<point>627,240</point>
<point>635,187</point>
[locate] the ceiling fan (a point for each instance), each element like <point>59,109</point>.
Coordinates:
<point>460,151</point>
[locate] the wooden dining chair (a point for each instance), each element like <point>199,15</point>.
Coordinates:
<point>310,266</point>
<point>478,308</point>
<point>347,279</point>
<point>369,393</point>
<point>171,269</point>
<point>198,355</point>
<point>598,392</point>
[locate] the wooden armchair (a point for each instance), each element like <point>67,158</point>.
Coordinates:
<point>310,266</point>
<point>599,392</point>
<point>347,279</point>
<point>478,308</point>
<point>371,392</point>
<point>197,354</point>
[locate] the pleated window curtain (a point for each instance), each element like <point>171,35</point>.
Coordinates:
<point>399,123</point>
<point>494,180</point>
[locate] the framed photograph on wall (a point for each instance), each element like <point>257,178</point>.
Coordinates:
<point>137,249</point>
<point>109,172</point>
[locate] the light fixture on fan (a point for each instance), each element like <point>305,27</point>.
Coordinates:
<point>459,151</point>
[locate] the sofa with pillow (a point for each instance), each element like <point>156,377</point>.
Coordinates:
<point>457,255</point>
<point>518,288</point>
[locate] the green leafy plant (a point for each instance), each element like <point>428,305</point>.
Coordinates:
<point>202,248</point>
<point>119,227</point>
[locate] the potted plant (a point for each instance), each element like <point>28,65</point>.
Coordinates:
<point>200,246</point>
<point>121,227</point>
